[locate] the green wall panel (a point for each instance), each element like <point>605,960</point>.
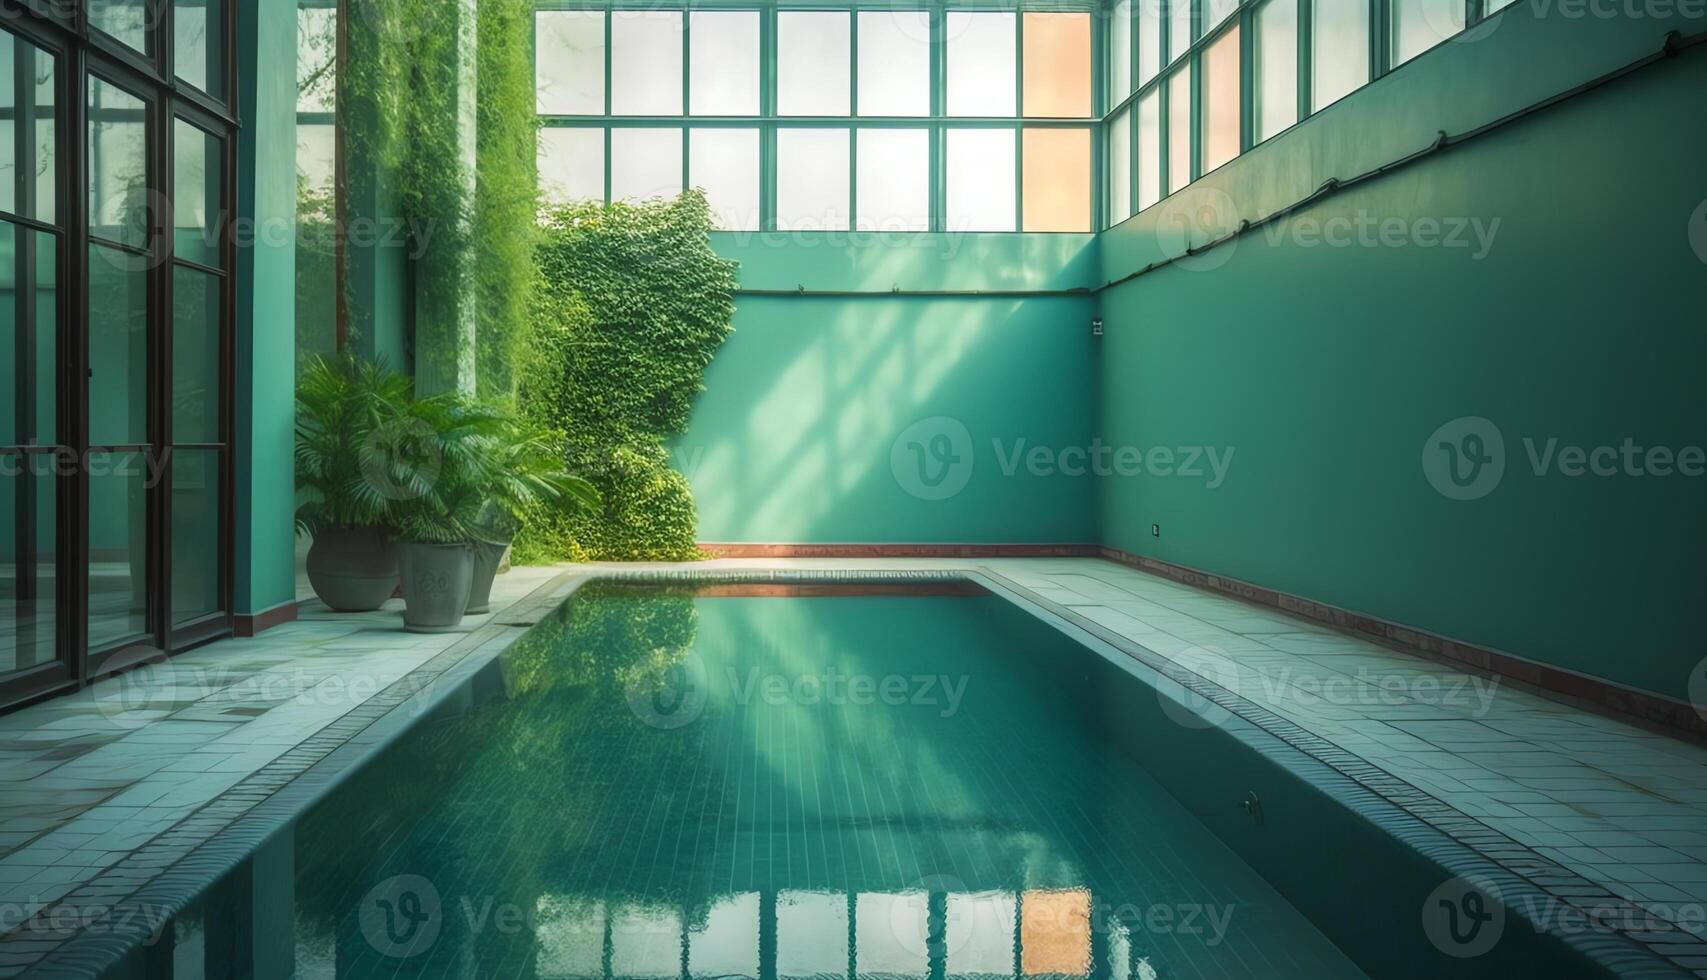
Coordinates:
<point>1330,368</point>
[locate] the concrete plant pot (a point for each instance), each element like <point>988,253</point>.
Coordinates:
<point>488,555</point>
<point>437,579</point>
<point>352,569</point>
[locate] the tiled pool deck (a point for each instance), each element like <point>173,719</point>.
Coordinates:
<point>1550,791</point>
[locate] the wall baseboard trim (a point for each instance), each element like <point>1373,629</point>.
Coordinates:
<point>1626,703</point>
<point>254,624</point>
<point>719,550</point>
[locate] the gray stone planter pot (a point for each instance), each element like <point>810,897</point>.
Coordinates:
<point>488,555</point>
<point>436,581</point>
<point>352,569</point>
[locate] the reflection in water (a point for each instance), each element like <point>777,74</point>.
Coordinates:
<point>685,786</point>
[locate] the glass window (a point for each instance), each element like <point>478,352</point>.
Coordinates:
<point>1339,50</point>
<point>1120,53</point>
<point>37,156</point>
<point>725,164</point>
<point>572,164</point>
<point>812,179</point>
<point>646,63</point>
<point>197,196</point>
<point>118,547</point>
<point>198,32</point>
<point>1421,24</point>
<point>1150,149</point>
<point>118,347</point>
<point>195,356</point>
<point>981,70</point>
<point>1275,63</point>
<point>893,181</point>
<point>126,21</point>
<point>1057,65</point>
<point>895,63</point>
<point>569,62</point>
<point>195,534</point>
<point>118,164</point>
<point>1221,101</point>
<point>28,328</point>
<point>1216,11</point>
<point>812,63</point>
<point>723,66</point>
<point>29,565</point>
<point>1179,129</point>
<point>979,178</point>
<point>645,164</point>
<point>1056,179</point>
<point>1120,168</point>
<point>1149,39</point>
<point>1179,28</point>
<point>317,59</point>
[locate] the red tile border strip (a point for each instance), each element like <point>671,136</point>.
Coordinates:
<point>255,624</point>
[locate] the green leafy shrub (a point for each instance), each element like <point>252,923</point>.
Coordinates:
<point>631,306</point>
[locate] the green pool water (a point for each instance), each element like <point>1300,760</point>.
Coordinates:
<point>664,784</point>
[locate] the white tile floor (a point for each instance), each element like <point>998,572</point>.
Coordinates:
<point>86,779</point>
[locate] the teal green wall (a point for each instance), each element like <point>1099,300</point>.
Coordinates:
<point>265,574</point>
<point>1329,368</point>
<point>795,436</point>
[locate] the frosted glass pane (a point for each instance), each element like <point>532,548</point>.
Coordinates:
<point>572,164</point>
<point>725,164</point>
<point>811,935</point>
<point>1340,49</point>
<point>645,164</point>
<point>1149,39</point>
<point>894,174</point>
<point>646,63</point>
<point>812,63</point>
<point>723,63</point>
<point>1057,179</point>
<point>895,63</point>
<point>1120,168</point>
<point>1149,149</point>
<point>727,945</point>
<point>1216,11</point>
<point>1421,24</point>
<point>1179,28</point>
<point>812,179</point>
<point>1276,65</point>
<point>1120,53</point>
<point>569,66</point>
<point>1221,101</point>
<point>1179,129</point>
<point>981,69</point>
<point>1057,65</point>
<point>979,179</point>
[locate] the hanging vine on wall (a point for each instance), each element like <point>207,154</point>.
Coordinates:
<point>631,306</point>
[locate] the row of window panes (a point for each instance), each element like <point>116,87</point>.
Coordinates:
<point>198,36</point>
<point>820,170</point>
<point>1340,63</point>
<point>816,53</point>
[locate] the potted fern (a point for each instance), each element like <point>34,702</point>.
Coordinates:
<point>343,407</point>
<point>530,474</point>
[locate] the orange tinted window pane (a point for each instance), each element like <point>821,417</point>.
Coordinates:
<point>1057,181</point>
<point>1055,933</point>
<point>1221,101</point>
<point>1057,64</point>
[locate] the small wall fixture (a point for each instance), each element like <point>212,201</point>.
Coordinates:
<point>1096,326</point>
